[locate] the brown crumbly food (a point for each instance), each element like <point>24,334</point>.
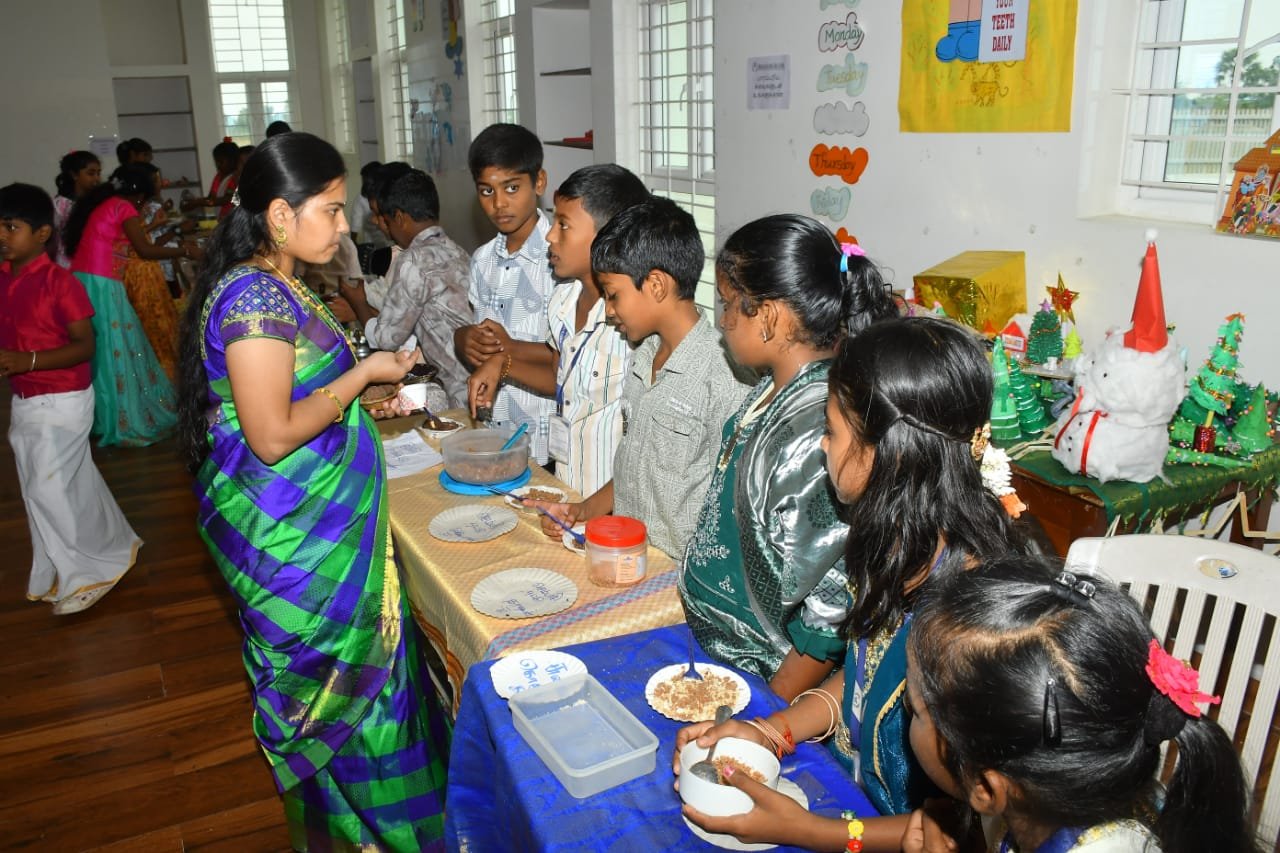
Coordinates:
<point>692,700</point>
<point>721,761</point>
<point>542,495</point>
<point>377,393</point>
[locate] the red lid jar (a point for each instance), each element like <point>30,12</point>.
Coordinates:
<point>616,531</point>
<point>616,550</point>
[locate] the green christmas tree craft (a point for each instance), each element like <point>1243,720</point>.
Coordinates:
<point>1004,408</point>
<point>1253,431</point>
<point>1031,415</point>
<point>1216,385</point>
<point>1044,341</point>
<point>1183,456</point>
<point>1071,346</point>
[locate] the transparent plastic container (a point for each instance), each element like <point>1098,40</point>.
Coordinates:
<point>476,456</point>
<point>587,738</point>
<point>617,550</point>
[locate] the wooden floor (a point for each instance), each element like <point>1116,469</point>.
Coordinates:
<point>127,727</point>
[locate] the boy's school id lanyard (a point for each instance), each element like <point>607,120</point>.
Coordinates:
<point>558,424</point>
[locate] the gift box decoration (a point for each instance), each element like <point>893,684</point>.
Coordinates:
<point>980,289</point>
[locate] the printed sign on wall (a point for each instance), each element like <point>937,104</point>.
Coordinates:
<point>769,82</point>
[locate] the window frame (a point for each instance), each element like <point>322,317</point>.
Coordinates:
<point>1156,29</point>
<point>254,80</point>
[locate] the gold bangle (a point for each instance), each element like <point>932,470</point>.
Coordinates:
<point>334,397</point>
<point>506,368</point>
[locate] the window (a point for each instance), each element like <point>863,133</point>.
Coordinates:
<point>1206,74</point>
<point>340,74</point>
<point>398,120</point>
<point>500,103</point>
<point>677,139</point>
<point>253,64</point>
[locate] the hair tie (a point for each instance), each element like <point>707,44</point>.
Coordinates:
<point>235,198</point>
<point>1073,589</point>
<point>1176,681</point>
<point>847,249</point>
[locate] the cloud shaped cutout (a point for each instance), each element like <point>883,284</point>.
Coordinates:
<point>830,202</point>
<point>839,117</point>
<point>828,3</point>
<point>851,76</point>
<point>846,164</point>
<point>834,35</point>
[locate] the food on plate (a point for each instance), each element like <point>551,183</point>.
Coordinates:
<point>545,495</point>
<point>690,699</point>
<point>377,393</point>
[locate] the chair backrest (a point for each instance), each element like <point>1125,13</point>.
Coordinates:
<point>1217,602</point>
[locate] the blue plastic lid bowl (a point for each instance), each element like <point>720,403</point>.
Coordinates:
<point>460,488</point>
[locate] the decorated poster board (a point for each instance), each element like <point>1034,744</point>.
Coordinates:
<point>982,66</point>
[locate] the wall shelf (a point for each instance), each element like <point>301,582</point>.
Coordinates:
<point>561,143</point>
<point>568,72</point>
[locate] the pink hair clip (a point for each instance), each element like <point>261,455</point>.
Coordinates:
<point>847,249</point>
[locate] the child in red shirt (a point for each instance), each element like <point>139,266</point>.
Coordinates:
<point>80,541</point>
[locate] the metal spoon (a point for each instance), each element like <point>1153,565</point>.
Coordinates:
<point>704,769</point>
<point>692,671</point>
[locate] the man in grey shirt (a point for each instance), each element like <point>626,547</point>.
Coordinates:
<point>428,297</point>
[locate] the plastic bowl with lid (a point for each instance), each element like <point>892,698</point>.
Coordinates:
<point>476,456</point>
<point>617,550</point>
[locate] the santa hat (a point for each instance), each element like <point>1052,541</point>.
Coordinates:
<point>1150,333</point>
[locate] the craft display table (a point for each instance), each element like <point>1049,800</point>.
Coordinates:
<point>1069,506</point>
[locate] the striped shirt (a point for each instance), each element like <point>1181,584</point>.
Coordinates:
<point>590,373</point>
<point>513,290</point>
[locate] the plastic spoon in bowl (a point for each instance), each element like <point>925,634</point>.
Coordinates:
<point>577,537</point>
<point>515,436</point>
<point>705,769</point>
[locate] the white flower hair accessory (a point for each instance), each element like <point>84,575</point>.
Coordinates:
<point>997,476</point>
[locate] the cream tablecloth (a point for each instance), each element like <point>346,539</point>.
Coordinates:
<point>439,577</point>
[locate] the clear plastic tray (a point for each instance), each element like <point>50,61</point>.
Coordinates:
<point>588,738</point>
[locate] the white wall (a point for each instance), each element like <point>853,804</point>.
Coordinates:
<point>926,197</point>
<point>54,58</point>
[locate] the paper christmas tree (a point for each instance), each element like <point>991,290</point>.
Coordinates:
<point>1071,346</point>
<point>1253,431</point>
<point>1031,415</point>
<point>1004,408</point>
<point>1045,338</point>
<point>1216,385</point>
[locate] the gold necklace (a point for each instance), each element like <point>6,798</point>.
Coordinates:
<point>304,293</point>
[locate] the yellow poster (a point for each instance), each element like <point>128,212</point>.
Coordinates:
<point>986,66</point>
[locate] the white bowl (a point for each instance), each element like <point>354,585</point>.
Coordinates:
<point>712,798</point>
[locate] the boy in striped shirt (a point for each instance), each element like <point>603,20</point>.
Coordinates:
<point>584,363</point>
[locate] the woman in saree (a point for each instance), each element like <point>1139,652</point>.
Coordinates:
<point>134,399</point>
<point>293,507</point>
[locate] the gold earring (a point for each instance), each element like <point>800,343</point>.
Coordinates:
<point>281,237</point>
<point>764,335</point>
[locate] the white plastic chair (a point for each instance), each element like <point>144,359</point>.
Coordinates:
<point>1212,598</point>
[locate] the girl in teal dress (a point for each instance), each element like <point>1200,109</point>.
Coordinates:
<point>293,506</point>
<point>763,579</point>
<point>905,428</point>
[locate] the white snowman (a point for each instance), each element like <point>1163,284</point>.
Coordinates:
<point>1126,392</point>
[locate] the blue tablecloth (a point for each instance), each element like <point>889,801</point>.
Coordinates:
<point>502,797</point>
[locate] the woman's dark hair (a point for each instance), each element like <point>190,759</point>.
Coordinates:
<point>278,127</point>
<point>226,151</point>
<point>915,389</point>
<point>69,166</point>
<point>1049,688</point>
<point>796,260</point>
<point>289,166</point>
<point>128,180</point>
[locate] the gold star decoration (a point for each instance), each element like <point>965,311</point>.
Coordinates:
<point>1063,299</point>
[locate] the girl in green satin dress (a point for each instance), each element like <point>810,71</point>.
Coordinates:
<point>763,579</point>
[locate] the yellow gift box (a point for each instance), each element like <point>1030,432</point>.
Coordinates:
<point>980,289</point>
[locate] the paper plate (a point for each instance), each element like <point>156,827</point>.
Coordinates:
<point>472,523</point>
<point>558,496</point>
<point>521,671</point>
<point>523,593</point>
<point>705,669</point>
<point>570,543</point>
<point>728,842</point>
